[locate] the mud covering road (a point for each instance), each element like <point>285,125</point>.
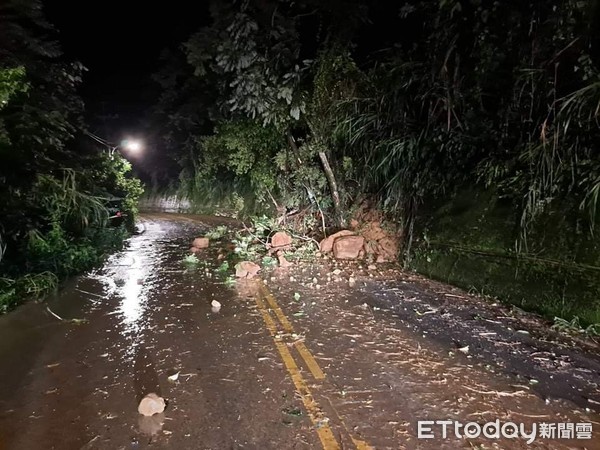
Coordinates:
<point>328,355</point>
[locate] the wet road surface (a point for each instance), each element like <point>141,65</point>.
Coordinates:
<point>298,359</point>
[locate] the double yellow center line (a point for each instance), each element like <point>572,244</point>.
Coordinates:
<point>317,417</point>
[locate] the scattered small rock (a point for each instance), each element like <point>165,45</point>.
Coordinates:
<point>246,269</point>
<point>281,239</point>
<point>151,404</point>
<point>464,349</point>
<point>200,243</point>
<point>216,306</point>
<point>283,262</point>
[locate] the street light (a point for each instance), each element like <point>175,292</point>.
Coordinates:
<point>132,145</point>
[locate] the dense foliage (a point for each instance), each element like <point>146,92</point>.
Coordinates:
<point>53,188</point>
<point>316,104</point>
<point>493,94</point>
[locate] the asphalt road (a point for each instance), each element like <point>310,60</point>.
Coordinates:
<point>299,358</point>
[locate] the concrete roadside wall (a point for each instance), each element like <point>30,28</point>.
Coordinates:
<point>470,242</point>
<point>164,203</point>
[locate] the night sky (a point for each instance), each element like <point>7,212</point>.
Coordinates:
<point>120,43</point>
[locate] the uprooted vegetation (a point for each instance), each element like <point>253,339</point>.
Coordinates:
<point>270,242</point>
<point>263,249</point>
<point>501,112</point>
<point>259,243</point>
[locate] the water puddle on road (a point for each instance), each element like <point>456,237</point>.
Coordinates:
<point>149,327</point>
<point>282,366</point>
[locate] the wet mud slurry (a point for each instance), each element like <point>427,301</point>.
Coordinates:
<point>297,359</point>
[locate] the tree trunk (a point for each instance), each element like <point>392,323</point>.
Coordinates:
<point>335,194</point>
<point>293,145</point>
<point>409,229</point>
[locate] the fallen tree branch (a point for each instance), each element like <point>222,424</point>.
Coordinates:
<point>498,393</point>
<point>54,314</point>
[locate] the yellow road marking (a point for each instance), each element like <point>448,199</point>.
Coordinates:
<point>324,431</point>
<point>310,361</point>
<point>287,326</point>
<point>360,445</point>
<point>318,419</point>
<point>306,355</point>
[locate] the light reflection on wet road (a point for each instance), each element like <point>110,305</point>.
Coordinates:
<point>246,379</point>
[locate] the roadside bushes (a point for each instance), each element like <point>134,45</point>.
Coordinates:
<point>61,254</point>
<point>65,231</point>
<point>53,188</point>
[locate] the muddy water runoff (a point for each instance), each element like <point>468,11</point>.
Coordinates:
<point>144,317</point>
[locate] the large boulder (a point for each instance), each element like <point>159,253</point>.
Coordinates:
<point>246,269</point>
<point>348,247</point>
<point>200,242</point>
<point>326,244</point>
<point>281,240</point>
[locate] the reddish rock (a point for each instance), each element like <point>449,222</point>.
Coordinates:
<point>200,242</point>
<point>283,262</point>
<point>246,269</point>
<point>387,248</point>
<point>348,247</point>
<point>371,247</point>
<point>373,232</point>
<point>194,250</point>
<point>281,239</point>
<point>326,244</point>
<point>354,224</point>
